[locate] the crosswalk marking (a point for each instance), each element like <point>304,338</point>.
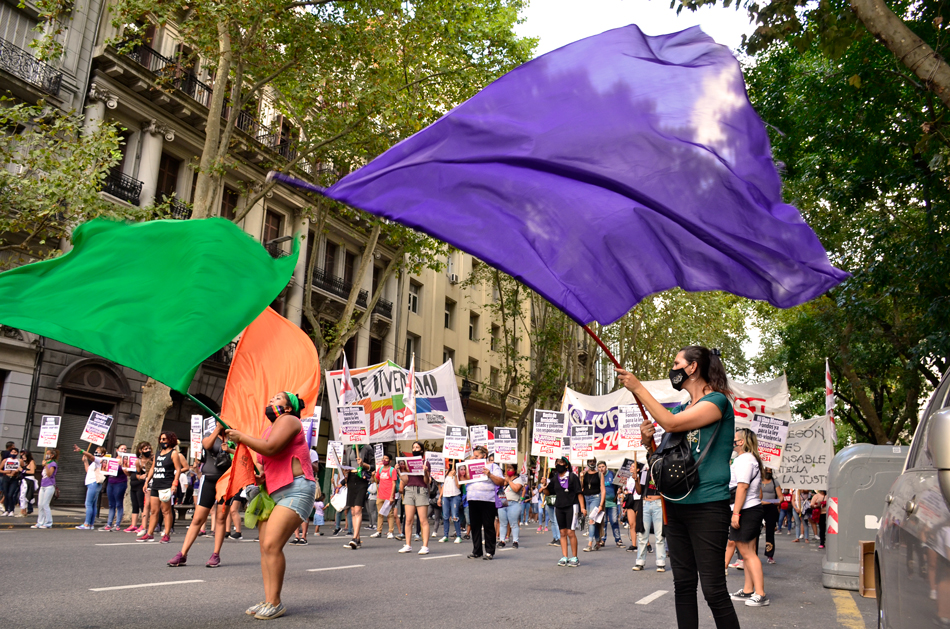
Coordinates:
<point>144,585</point>
<point>359,565</point>
<point>646,600</point>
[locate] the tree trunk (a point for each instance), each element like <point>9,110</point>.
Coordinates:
<point>208,173</point>
<point>910,49</point>
<point>156,400</point>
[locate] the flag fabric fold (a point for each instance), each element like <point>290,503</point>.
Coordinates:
<point>605,171</point>
<point>273,355</point>
<point>159,297</point>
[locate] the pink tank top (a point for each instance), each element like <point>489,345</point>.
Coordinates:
<point>278,469</point>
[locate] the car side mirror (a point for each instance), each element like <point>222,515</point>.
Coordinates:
<point>938,446</point>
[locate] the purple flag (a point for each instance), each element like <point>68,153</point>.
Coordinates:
<point>605,171</point>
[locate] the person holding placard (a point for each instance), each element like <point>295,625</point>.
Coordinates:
<point>387,481</point>
<point>482,507</point>
<point>450,500</point>
<point>169,464</point>
<point>697,523</point>
<point>217,461</point>
<point>115,492</point>
<point>28,485</point>
<point>610,506</point>
<point>595,494</point>
<point>569,505</point>
<point>94,480</point>
<point>288,477</point>
<point>416,500</point>
<point>11,473</point>
<point>509,513</point>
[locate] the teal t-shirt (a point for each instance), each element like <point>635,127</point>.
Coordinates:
<point>714,470</point>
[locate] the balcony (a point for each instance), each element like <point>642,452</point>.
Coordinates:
<point>179,209</point>
<point>384,308</point>
<point>174,74</point>
<point>122,187</point>
<point>275,251</point>
<point>23,65</point>
<point>225,355</point>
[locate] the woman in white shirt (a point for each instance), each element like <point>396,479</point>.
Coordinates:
<point>450,499</point>
<point>94,480</point>
<point>747,514</point>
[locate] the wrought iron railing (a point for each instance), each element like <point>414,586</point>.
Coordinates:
<point>337,286</point>
<point>179,77</point>
<point>122,187</point>
<point>384,308</point>
<point>275,250</point>
<point>22,64</point>
<point>179,209</point>
<point>225,355</point>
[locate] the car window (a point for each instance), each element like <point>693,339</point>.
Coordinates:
<point>919,456</point>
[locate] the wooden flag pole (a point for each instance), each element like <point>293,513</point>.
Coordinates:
<point>213,414</point>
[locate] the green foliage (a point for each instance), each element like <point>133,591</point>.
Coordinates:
<point>52,181</point>
<point>865,164</point>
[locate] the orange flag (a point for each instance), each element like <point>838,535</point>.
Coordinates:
<point>273,355</point>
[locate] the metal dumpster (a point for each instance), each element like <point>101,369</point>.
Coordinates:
<point>858,481</point>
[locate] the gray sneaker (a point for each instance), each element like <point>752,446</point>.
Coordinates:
<point>741,595</point>
<point>757,600</point>
<point>253,609</point>
<point>269,612</point>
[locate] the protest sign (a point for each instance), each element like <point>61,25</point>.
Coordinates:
<point>506,445</point>
<point>772,433</point>
<point>627,469</point>
<point>565,448</point>
<point>436,466</point>
<point>491,447</point>
<point>49,431</point>
<point>411,465</point>
<point>472,471</point>
<point>628,427</point>
<point>197,427</point>
<point>128,460</point>
<point>311,426</point>
<point>582,443</point>
<point>379,390</point>
<point>352,424</point>
<point>378,454</point>
<point>335,455</point>
<point>547,436</point>
<point>478,435</point>
<point>453,443</point>
<point>97,427</point>
<point>110,466</point>
<point>11,465</point>
<point>807,455</point>
<point>208,427</point>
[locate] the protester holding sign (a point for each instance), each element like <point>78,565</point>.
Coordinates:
<point>115,491</point>
<point>510,510</point>
<point>28,484</point>
<point>482,498</point>
<point>450,499</point>
<point>217,461</point>
<point>416,500</point>
<point>10,468</point>
<point>610,506</point>
<point>47,489</point>
<point>697,524</point>
<point>595,495</point>
<point>94,480</point>
<point>387,483</point>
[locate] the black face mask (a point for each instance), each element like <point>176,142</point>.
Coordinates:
<point>678,377</point>
<point>272,412</point>
<point>417,453</point>
<point>560,468</point>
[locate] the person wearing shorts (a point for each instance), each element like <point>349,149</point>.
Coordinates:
<point>416,500</point>
<point>747,514</point>
<point>288,476</point>
<point>363,463</point>
<point>569,505</point>
<point>164,475</point>
<point>217,461</point>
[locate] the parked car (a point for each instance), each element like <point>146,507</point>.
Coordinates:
<point>912,549</point>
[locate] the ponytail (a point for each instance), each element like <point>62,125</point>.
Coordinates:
<point>710,367</point>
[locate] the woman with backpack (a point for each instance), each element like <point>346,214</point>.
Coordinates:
<point>697,522</point>
<point>747,516</point>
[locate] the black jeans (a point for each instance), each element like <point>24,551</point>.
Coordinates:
<point>482,515</point>
<point>771,519</point>
<point>822,521</point>
<point>696,536</point>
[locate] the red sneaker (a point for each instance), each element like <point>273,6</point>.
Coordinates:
<point>177,561</point>
<point>146,538</point>
<point>165,539</point>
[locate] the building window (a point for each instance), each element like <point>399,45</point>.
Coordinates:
<point>329,258</point>
<point>473,369</point>
<point>229,202</point>
<point>349,267</point>
<point>495,338</point>
<point>495,377</point>
<point>415,292</point>
<point>273,225</point>
<point>168,168</point>
<point>472,326</point>
<point>448,354</point>
<point>375,351</point>
<point>449,314</point>
<point>412,347</point>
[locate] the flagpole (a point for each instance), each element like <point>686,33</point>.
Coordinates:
<point>587,329</point>
<point>215,415</point>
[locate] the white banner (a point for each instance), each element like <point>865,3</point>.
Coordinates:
<point>379,390</point>
<point>506,445</point>
<point>807,457</point>
<point>49,431</point>
<point>766,398</point>
<point>97,427</point>
<point>353,427</point>
<point>772,434</point>
<point>547,437</point>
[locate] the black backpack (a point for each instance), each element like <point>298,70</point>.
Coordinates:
<point>674,471</point>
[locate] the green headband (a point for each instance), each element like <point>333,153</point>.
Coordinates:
<point>293,400</point>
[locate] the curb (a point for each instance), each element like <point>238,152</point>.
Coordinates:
<point>26,525</point>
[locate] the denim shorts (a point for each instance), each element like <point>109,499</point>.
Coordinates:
<point>298,496</point>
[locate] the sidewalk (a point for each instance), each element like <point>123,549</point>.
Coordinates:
<point>63,518</point>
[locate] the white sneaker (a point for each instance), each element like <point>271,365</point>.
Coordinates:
<point>424,550</point>
<point>376,534</point>
<point>434,534</point>
<point>443,540</point>
<point>390,536</point>
<point>406,549</point>
<point>141,533</point>
<point>458,540</point>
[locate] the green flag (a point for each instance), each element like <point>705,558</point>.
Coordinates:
<point>159,297</point>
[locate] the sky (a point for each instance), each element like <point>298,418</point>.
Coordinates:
<point>560,22</point>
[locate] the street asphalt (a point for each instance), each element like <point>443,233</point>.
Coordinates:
<point>61,578</point>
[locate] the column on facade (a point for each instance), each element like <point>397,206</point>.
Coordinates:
<point>154,134</point>
<point>295,294</point>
